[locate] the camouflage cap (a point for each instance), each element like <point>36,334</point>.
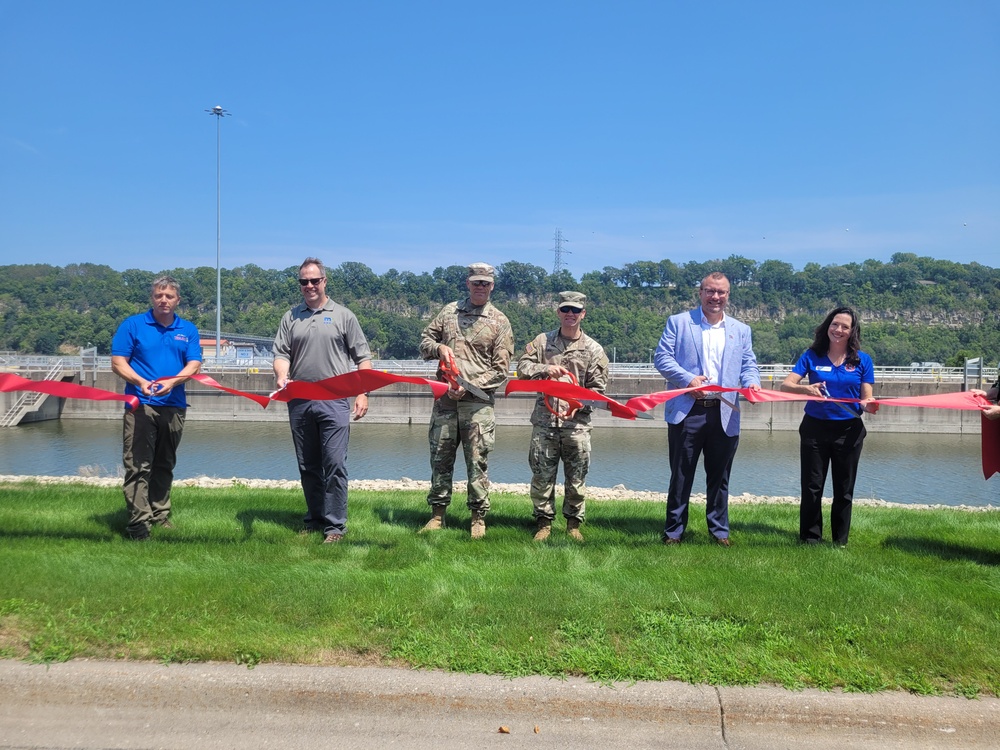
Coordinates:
<point>481,272</point>
<point>572,299</point>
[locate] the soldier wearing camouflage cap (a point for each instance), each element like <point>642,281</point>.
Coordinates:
<point>558,433</point>
<point>478,337</point>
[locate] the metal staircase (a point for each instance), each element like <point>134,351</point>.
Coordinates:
<point>30,401</point>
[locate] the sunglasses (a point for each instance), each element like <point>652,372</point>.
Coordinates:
<point>481,283</point>
<point>313,282</point>
<point>568,309</point>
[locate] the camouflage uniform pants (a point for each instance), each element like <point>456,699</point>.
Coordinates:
<point>473,425</point>
<point>549,445</point>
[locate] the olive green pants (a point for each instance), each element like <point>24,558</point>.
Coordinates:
<point>150,438</point>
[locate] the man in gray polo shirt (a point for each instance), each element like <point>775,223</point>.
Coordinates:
<point>319,339</point>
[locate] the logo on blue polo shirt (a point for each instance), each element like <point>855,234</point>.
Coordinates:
<point>180,337</point>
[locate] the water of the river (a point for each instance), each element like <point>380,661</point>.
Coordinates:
<point>904,468</point>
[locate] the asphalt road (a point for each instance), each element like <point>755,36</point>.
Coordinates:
<point>127,705</point>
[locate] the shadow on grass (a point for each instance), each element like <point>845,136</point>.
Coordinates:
<point>403,516</point>
<point>289,519</point>
<point>765,530</point>
<point>944,550</point>
<point>116,521</point>
<point>457,517</point>
<point>97,536</point>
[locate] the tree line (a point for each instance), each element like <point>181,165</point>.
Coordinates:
<point>913,308</point>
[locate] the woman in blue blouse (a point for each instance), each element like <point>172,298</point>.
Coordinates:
<point>832,433</point>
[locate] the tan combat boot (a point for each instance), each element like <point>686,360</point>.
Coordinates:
<point>573,529</point>
<point>478,525</point>
<point>437,520</point>
<point>544,529</point>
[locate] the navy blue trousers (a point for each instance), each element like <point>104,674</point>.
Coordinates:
<point>320,431</point>
<point>700,433</point>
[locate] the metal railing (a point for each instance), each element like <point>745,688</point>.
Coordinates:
<point>29,400</point>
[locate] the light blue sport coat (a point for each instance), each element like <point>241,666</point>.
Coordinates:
<point>679,358</point>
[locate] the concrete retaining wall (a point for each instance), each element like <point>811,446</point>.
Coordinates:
<point>406,403</point>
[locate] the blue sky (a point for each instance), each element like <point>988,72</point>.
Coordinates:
<point>414,135</point>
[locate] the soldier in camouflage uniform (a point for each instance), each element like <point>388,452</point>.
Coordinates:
<point>480,339</point>
<point>564,434</point>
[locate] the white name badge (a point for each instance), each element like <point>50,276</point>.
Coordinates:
<point>824,368</point>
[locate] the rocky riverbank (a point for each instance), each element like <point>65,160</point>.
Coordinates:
<point>619,492</point>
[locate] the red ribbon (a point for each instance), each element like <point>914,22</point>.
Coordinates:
<point>570,392</point>
<point>342,386</point>
<point>962,400</point>
<point>351,384</point>
<point>206,380</point>
<point>362,381</point>
<point>647,402</point>
<point>10,383</point>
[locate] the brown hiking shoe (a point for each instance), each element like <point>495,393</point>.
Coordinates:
<point>478,525</point>
<point>437,519</point>
<point>573,529</point>
<point>544,529</point>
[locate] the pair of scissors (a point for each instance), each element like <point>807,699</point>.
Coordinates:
<point>845,407</point>
<point>450,371</point>
<point>593,403</point>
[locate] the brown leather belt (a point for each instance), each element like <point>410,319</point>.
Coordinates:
<point>708,402</point>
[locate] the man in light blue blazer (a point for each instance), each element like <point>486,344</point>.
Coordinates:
<point>704,347</point>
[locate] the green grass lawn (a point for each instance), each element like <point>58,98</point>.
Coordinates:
<point>913,603</point>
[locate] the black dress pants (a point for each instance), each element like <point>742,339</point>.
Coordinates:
<point>826,444</point>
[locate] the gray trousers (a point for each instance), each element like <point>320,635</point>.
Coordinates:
<point>320,432</point>
<point>150,436</point>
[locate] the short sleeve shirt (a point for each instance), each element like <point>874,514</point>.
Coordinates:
<point>842,381</point>
<point>320,344</point>
<point>156,351</point>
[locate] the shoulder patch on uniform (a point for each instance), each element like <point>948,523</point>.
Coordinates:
<point>530,348</point>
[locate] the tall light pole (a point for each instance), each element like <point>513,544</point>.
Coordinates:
<point>219,113</point>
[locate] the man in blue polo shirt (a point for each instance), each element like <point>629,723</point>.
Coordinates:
<point>155,344</point>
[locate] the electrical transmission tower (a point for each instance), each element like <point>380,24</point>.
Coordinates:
<point>559,251</point>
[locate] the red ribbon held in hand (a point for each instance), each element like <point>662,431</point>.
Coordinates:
<point>340,386</point>
<point>569,392</point>
<point>961,400</point>
<point>10,383</point>
<point>351,384</point>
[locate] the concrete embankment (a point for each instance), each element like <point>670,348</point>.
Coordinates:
<point>411,404</point>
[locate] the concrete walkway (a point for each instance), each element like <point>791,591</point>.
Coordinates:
<point>92,704</point>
